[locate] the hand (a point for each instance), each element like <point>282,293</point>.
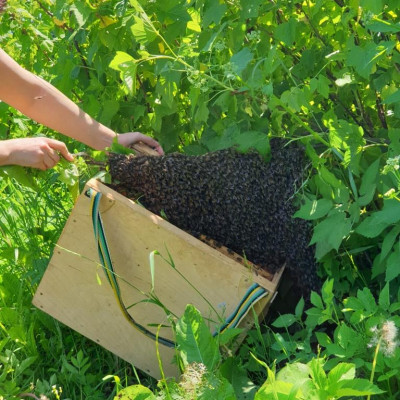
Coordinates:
<point>42,153</point>
<point>127,139</point>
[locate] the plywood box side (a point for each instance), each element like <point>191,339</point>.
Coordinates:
<point>70,289</point>
<point>189,239</point>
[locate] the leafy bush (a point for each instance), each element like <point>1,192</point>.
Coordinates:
<point>207,375</point>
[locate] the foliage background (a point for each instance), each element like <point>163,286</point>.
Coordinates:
<point>200,76</point>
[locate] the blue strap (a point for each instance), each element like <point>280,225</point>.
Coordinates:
<point>252,295</point>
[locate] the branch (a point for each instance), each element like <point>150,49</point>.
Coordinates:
<point>381,111</point>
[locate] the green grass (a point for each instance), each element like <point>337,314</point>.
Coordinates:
<point>37,353</point>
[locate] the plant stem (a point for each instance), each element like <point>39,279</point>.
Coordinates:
<point>371,379</point>
<point>303,124</point>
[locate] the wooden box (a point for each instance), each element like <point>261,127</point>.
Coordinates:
<point>75,290</point>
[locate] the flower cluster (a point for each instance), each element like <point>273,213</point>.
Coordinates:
<point>192,377</point>
<point>386,336</point>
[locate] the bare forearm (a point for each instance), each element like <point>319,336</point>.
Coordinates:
<point>45,104</point>
<point>53,109</point>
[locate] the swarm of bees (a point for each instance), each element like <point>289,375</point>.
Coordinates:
<point>239,200</point>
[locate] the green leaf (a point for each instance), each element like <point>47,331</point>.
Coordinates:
<point>119,148</point>
<point>202,113</point>
<point>250,8</point>
<point>128,76</point>
<point>143,30</point>
<point>195,341</point>
<point>342,371</point>
<point>393,264</point>
<point>237,376</point>
<point>252,140</point>
<point>287,32</point>
<point>373,225</point>
<point>394,146</point>
<point>388,241</point>
<point>317,372</point>
<point>217,388</point>
<point>284,321</point>
<point>120,58</point>
<point>298,375</point>
<point>394,98</point>
<point>299,308</point>
<point>316,300</point>
<point>214,13</point>
<point>384,297</point>
<point>329,234</point>
<point>274,390</point>
<point>348,137</point>
<point>357,387</point>
<point>321,85</point>
<point>127,66</point>
<point>108,111</point>
<point>367,299</point>
<point>24,364</point>
<point>364,58</point>
<point>173,13</point>
<point>80,12</point>
<point>379,25</point>
<point>314,209</point>
<point>327,292</point>
<point>228,335</point>
<point>323,339</point>
<point>368,184</point>
<point>348,340</point>
<point>241,59</point>
<point>241,141</point>
<point>135,392</point>
<point>373,6</point>
<point>20,175</point>
<point>330,178</point>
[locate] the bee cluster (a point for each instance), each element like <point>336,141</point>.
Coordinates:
<point>237,199</point>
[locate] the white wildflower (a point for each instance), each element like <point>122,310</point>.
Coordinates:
<point>192,377</point>
<point>386,336</point>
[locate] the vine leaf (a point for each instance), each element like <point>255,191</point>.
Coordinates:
<point>142,31</point>
<point>241,59</point>
<point>329,233</point>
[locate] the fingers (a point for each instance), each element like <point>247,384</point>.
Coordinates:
<point>127,139</point>
<point>152,143</point>
<point>50,158</point>
<point>62,148</point>
<point>47,152</point>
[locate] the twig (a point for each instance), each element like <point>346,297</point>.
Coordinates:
<point>381,111</point>
<point>301,8</point>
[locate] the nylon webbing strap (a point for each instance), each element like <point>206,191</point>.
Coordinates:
<point>252,296</point>
<point>108,268</point>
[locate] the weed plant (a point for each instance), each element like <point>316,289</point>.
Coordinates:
<point>38,354</point>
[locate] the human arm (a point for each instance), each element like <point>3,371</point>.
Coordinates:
<point>38,152</point>
<point>45,104</point>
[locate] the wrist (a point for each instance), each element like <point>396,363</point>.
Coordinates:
<point>5,152</point>
<point>104,141</point>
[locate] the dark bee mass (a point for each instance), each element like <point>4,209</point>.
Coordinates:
<point>237,199</point>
